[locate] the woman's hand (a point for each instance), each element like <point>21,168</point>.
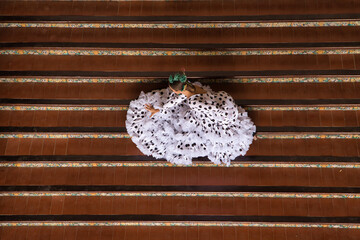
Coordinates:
<point>151,109</point>
<point>255,137</point>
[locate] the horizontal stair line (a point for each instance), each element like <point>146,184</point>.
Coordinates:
<point>304,195</point>
<point>329,107</point>
<point>165,74</point>
<point>189,19</point>
<point>260,129</point>
<point>294,79</point>
<point>186,25</point>
<point>184,223</point>
<point>160,164</point>
<point>175,52</point>
<point>117,135</point>
<point>182,46</point>
<point>199,189</point>
<point>142,160</point>
<point>190,218</point>
<point>285,102</point>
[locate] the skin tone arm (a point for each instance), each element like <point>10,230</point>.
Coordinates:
<point>151,109</point>
<point>188,94</point>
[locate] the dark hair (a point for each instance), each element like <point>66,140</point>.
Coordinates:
<point>179,86</point>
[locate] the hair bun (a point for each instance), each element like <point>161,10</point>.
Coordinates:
<point>177,77</point>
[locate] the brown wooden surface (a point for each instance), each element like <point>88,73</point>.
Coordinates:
<point>221,206</point>
<point>117,118</point>
<point>131,91</point>
<point>165,176</point>
<point>113,146</point>
<point>178,8</point>
<point>177,233</point>
<point>175,63</point>
<point>212,35</point>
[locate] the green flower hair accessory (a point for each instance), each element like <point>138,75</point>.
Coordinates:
<point>177,77</point>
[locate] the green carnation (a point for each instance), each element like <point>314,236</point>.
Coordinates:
<point>177,77</point>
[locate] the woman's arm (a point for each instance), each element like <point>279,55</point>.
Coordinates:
<point>151,109</point>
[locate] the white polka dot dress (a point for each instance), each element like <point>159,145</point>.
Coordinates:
<point>208,124</point>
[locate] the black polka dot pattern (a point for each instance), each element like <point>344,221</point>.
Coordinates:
<point>208,124</point>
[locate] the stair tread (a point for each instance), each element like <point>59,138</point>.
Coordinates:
<point>184,35</point>
<point>128,91</point>
<point>162,205</point>
<point>247,64</point>
<point>101,116</point>
<point>124,146</point>
<point>173,8</point>
<point>187,176</point>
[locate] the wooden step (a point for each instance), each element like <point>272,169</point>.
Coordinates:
<point>114,116</point>
<point>183,230</point>
<point>93,205</point>
<point>183,203</point>
<point>275,144</point>
<point>129,91</point>
<point>31,61</point>
<point>175,8</point>
<point>188,35</point>
<point>276,175</point>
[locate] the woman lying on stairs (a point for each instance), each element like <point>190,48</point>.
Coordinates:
<point>188,120</point>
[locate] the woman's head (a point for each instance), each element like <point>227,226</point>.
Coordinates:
<point>179,83</point>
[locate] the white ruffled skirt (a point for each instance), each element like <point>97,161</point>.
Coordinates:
<point>185,128</point>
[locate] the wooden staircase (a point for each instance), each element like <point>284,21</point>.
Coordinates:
<point>68,169</point>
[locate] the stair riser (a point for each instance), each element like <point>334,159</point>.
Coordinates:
<point>132,90</point>
<point>235,35</point>
<point>167,63</point>
<point>121,146</point>
<point>174,8</point>
<point>177,176</point>
<point>117,118</point>
<point>82,205</point>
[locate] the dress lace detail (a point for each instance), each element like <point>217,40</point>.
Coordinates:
<point>207,124</point>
